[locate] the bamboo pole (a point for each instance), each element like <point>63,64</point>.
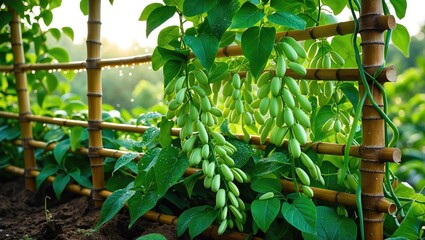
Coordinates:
<point>371,168</point>
<point>287,186</point>
<point>384,154</point>
<point>94,95</point>
<point>210,232</point>
<point>23,99</point>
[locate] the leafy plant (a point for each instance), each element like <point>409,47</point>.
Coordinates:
<point>219,103</point>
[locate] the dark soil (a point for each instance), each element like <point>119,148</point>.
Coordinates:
<point>22,216</point>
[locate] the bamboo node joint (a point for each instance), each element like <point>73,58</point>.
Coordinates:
<point>93,125</point>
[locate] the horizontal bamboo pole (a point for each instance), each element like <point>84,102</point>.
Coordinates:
<point>342,28</point>
<point>321,194</point>
<point>388,74</point>
<point>210,232</point>
<point>384,154</point>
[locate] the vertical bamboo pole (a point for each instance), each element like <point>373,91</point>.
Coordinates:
<point>23,99</point>
<point>94,95</point>
<point>372,170</point>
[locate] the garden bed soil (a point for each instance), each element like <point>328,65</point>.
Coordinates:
<point>22,216</point>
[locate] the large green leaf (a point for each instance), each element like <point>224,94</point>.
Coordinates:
<point>167,35</point>
<point>140,203</point>
<point>46,172</point>
<point>336,6</point>
<point>124,160</point>
<point>412,224</point>
<point>197,219</point>
<point>60,150</point>
<point>287,19</point>
<point>351,92</point>
<point>400,7</point>
<point>5,18</point>
<point>113,204</point>
<point>82,180</point>
<point>75,137</point>
<point>68,32</point>
<point>263,185</point>
<point>220,16</point>
<point>243,153</point>
<point>204,46</point>
<point>196,7</point>
<point>165,132</point>
<point>157,17</point>
<point>247,16</point>
<point>323,115</point>
<point>331,226</point>
<point>301,214</point>
<point>169,168</point>
<point>148,10</point>
<point>148,137</point>
<point>401,39</point>
<point>9,133</point>
<point>189,182</point>
<point>257,45</point>
<point>59,54</point>
<point>264,212</point>
<point>59,184</point>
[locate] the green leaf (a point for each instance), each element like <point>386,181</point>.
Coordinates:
<point>165,132</point>
<point>227,39</point>
<point>263,185</point>
<point>113,205</point>
<point>401,39</point>
<point>68,32</point>
<point>145,118</point>
<point>51,82</point>
<point>53,135</point>
<point>84,7</point>
<point>9,133</point>
<point>148,10</point>
<point>336,6</point>
<point>152,236</point>
<point>332,226</point>
<point>189,182</point>
<point>124,160</point>
<point>60,150</point>
<point>340,43</point>
<point>412,224</point>
<point>218,72</point>
<point>157,17</point>
<point>271,164</point>
<point>5,18</point>
<point>247,16</point>
<point>287,19</point>
<point>161,55</point>
<point>204,46</point>
<point>351,92</point>
<point>55,33</point>
<point>75,137</point>
<point>195,7</point>
<point>323,115</point>
<point>168,35</point>
<point>59,54</point>
<point>149,159</point>
<point>301,214</point>
<point>148,137</point>
<point>243,153</point>
<point>46,172</point>
<point>47,17</point>
<point>141,203</point>
<point>264,212</point>
<point>257,45</point>
<point>82,180</point>
<point>400,7</point>
<point>171,70</point>
<point>220,16</point>
<point>59,184</point>
<point>17,6</point>
<point>197,219</point>
<point>169,168</point>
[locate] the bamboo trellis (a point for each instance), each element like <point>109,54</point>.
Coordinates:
<point>372,151</point>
